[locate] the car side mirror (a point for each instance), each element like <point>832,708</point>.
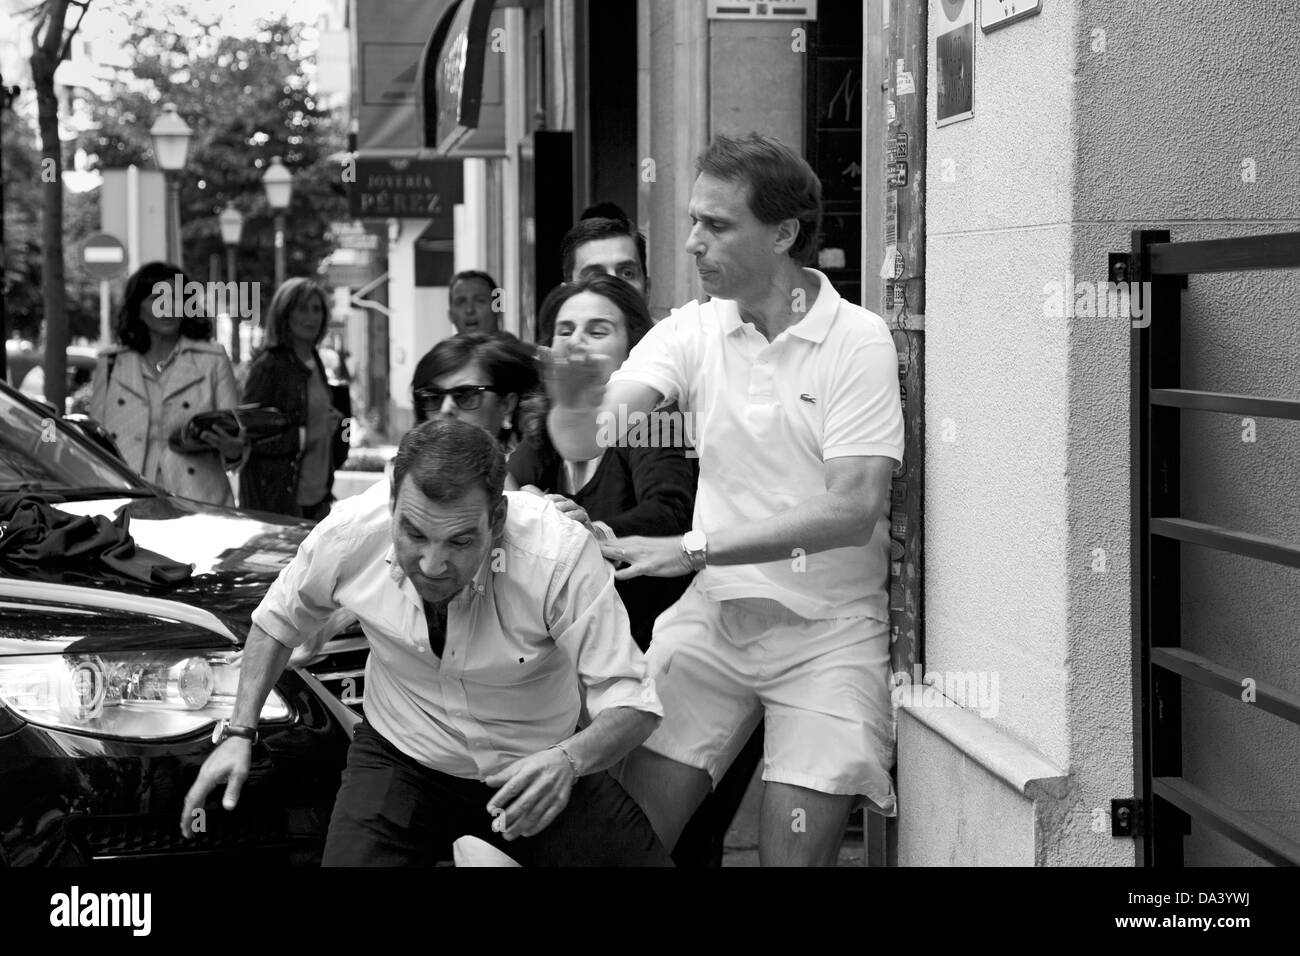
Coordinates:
<point>95,433</point>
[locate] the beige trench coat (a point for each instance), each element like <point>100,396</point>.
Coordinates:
<point>199,379</point>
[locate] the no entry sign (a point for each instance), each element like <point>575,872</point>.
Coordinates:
<point>103,257</point>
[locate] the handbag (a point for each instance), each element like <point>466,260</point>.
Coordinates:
<point>257,422</point>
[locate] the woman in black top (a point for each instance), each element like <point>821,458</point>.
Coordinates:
<point>626,491</point>
<point>293,474</point>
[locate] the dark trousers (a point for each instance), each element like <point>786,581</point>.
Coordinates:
<point>393,811</point>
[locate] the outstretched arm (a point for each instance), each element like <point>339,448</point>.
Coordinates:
<point>582,429</point>
<point>845,515</point>
<point>263,661</point>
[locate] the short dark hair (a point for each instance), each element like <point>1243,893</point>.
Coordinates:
<point>468,274</point>
<point>605,210</point>
<point>292,294</point>
<point>131,331</point>
<point>510,364</point>
<point>625,298</point>
<point>589,230</point>
<point>781,184</point>
<point>447,458</point>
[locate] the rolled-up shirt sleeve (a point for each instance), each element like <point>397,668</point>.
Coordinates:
<point>588,621</point>
<point>301,601</point>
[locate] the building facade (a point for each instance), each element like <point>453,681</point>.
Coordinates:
<point>979,174</point>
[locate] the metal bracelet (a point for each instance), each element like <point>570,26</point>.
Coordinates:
<point>569,757</point>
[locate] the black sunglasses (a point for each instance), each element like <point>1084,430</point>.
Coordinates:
<point>466,397</point>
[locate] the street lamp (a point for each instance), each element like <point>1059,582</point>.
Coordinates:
<point>232,227</point>
<point>171,141</point>
<point>278,183</point>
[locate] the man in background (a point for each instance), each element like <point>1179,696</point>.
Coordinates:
<point>609,245</point>
<point>472,294</point>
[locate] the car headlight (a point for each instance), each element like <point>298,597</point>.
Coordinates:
<point>141,695</point>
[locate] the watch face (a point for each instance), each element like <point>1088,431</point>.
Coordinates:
<point>694,540</point>
<point>216,731</point>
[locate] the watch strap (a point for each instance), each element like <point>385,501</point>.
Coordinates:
<point>698,558</point>
<point>227,729</point>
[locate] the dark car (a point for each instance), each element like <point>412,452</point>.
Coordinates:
<point>110,691</point>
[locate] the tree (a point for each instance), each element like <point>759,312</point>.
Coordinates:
<point>22,237</point>
<point>51,43</point>
<point>22,226</point>
<point>246,99</point>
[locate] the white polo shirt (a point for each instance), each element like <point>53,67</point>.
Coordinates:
<point>770,416</point>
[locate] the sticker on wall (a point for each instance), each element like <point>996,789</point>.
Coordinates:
<point>887,266</point>
<point>955,57</point>
<point>897,146</point>
<point>903,83</point>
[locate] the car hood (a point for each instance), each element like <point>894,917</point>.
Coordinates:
<point>236,554</point>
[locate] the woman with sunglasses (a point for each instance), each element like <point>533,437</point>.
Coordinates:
<point>476,377</point>
<point>627,490</point>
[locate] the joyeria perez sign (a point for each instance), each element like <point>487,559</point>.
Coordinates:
<point>405,189</point>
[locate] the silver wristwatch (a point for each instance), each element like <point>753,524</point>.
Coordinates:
<point>696,548</point>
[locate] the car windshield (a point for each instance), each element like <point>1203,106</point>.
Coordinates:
<point>38,453</point>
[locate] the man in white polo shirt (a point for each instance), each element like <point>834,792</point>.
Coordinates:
<point>799,428</point>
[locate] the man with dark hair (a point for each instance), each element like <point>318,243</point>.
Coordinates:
<point>604,245</point>
<point>493,624</point>
<point>787,619</point>
<point>473,302</point>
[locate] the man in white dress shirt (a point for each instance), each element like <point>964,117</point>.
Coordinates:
<point>493,624</point>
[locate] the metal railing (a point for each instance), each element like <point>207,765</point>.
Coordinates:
<point>1170,803</point>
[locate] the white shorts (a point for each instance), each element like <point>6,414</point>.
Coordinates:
<point>820,686</point>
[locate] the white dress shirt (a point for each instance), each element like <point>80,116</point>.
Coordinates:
<point>539,632</point>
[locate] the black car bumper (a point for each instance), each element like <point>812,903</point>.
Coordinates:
<point>70,800</point>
